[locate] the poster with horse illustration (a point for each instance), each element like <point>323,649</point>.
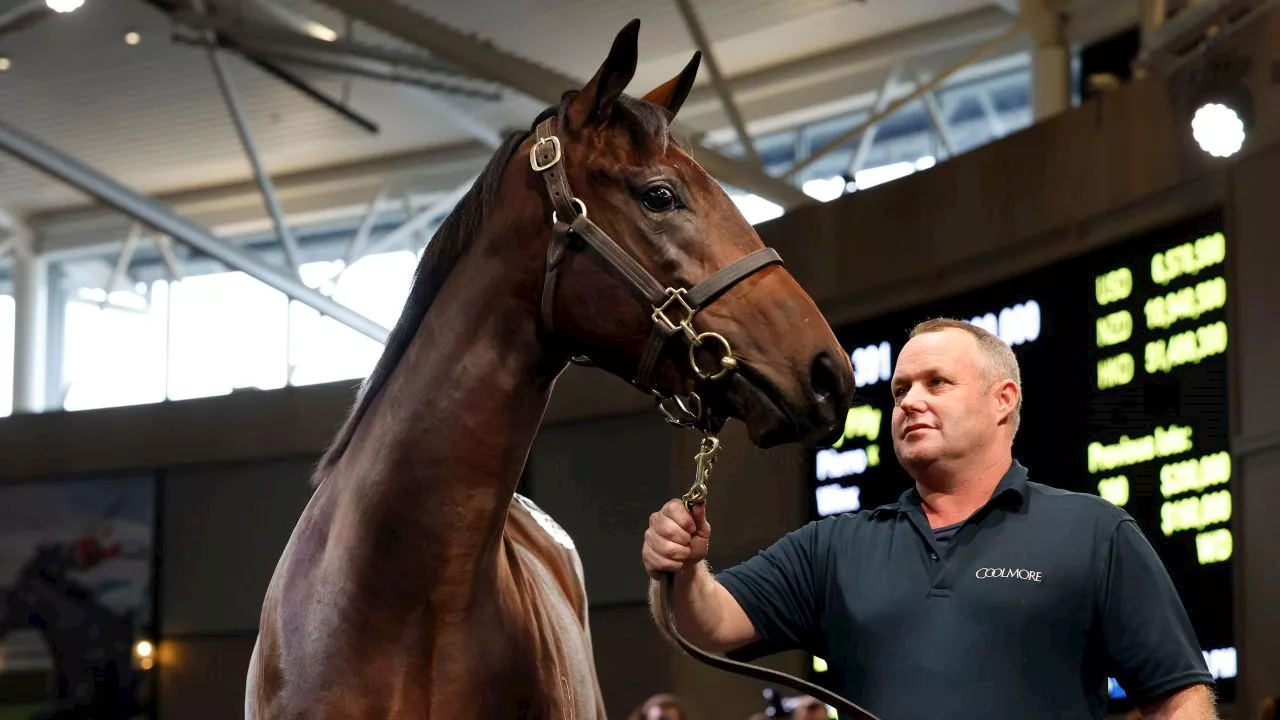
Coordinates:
<point>76,579</point>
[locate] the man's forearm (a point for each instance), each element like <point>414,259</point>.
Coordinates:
<point>696,606</point>
<point>1194,702</point>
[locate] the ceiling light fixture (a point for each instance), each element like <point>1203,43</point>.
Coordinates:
<point>63,6</point>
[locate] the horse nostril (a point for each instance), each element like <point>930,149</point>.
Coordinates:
<point>825,381</point>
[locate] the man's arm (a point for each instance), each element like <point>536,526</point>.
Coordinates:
<point>705,613</point>
<point>1194,702</point>
<point>1152,648</point>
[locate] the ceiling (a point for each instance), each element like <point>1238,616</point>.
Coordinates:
<point>151,115</point>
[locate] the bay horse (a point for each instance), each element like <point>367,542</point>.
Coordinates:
<point>416,583</point>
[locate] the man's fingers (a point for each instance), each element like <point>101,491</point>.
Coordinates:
<point>701,525</point>
<point>657,563</point>
<point>666,548</point>
<point>670,529</point>
<point>676,510</point>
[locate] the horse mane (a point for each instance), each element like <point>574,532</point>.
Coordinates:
<point>647,122</point>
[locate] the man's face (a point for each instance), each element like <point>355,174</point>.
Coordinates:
<point>810,710</point>
<point>943,405</point>
<point>659,712</point>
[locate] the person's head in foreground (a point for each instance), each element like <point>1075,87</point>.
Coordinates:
<point>957,395</point>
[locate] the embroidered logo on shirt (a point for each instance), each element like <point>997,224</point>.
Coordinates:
<point>1008,574</point>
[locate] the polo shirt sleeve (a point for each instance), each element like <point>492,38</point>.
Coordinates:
<point>781,590</point>
<point>1150,644</point>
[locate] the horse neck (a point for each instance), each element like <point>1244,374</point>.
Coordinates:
<point>431,470</point>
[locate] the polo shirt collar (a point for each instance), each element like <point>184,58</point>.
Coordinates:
<point>1012,490</point>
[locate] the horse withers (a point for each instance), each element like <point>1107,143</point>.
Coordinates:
<point>416,583</point>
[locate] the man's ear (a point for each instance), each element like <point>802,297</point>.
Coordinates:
<point>1006,394</point>
<point>596,100</point>
<point>672,93</point>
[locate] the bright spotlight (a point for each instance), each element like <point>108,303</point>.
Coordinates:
<point>1220,103</point>
<point>144,649</point>
<point>63,6</point>
<point>1218,129</point>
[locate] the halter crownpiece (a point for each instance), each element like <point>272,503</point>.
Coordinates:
<point>672,309</point>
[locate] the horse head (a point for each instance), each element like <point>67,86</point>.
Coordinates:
<point>718,323</point>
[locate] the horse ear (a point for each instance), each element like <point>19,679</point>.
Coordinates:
<point>672,93</point>
<point>595,101</point>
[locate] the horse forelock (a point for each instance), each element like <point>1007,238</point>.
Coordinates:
<point>649,129</point>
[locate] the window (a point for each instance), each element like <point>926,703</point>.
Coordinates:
<point>114,352</point>
<point>228,332</point>
<point>322,349</point>
<point>216,333</point>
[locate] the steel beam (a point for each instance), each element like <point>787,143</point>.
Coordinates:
<point>121,268</point>
<point>998,128</point>
<point>870,58</point>
<point>160,218</point>
<point>537,81</point>
<point>976,54</point>
<point>297,83</point>
<point>362,69</point>
<point>164,244</point>
<point>718,80</point>
<point>939,122</point>
<point>418,221</point>
<point>869,136</point>
<point>285,236</point>
<point>462,119</point>
<point>281,39</point>
<point>355,247</point>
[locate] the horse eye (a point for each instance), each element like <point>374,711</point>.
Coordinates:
<point>658,198</point>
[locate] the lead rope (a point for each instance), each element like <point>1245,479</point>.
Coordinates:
<point>708,449</point>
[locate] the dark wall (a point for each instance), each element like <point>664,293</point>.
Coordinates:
<point>236,467</point>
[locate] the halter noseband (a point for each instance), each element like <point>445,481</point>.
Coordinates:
<point>673,309</point>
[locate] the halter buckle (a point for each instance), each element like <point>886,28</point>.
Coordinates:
<point>533,153</point>
<point>676,296</point>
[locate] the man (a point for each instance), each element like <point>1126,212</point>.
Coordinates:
<point>979,594</point>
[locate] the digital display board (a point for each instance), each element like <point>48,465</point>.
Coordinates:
<point>1124,378</point>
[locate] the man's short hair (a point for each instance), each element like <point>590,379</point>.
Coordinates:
<point>1001,363</point>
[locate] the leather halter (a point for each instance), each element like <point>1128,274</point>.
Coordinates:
<point>673,308</point>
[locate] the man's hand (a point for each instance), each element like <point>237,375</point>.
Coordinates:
<point>1193,702</point>
<point>676,539</point>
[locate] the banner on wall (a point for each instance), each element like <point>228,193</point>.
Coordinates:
<point>76,588</point>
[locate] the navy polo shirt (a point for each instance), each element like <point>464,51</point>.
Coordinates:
<point>1037,598</point>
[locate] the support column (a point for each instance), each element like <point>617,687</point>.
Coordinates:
<point>31,323</point>
<point>1050,59</point>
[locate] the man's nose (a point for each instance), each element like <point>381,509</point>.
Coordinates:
<point>912,401</point>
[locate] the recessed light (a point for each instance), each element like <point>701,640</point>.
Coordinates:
<point>132,38</point>
<point>64,6</point>
<point>4,63</point>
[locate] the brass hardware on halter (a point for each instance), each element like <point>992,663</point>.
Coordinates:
<point>706,460</point>
<point>687,411</point>
<point>578,205</point>
<point>660,314</point>
<point>533,153</point>
<point>676,296</point>
<point>727,361</point>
